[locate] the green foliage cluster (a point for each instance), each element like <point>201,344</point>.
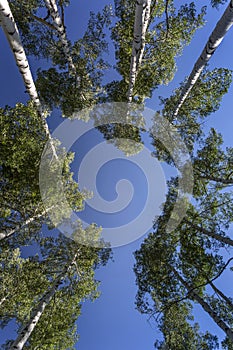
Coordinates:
<point>165,40</point>
<point>203,100</point>
<point>176,269</point>
<point>58,88</point>
<point>22,143</point>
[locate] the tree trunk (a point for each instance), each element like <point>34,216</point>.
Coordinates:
<point>222,27</point>
<point>221,294</point>
<point>27,330</point>
<point>141,22</point>
<point>58,24</point>
<point>205,306</point>
<point>223,239</point>
<point>8,234</point>
<point>12,34</point>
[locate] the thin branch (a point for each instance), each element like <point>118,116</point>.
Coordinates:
<point>43,21</point>
<point>221,295</point>
<point>197,287</point>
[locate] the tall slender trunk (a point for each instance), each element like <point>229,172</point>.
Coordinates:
<point>206,307</point>
<point>5,235</point>
<point>216,37</point>
<point>141,22</point>
<point>221,294</point>
<point>223,239</point>
<point>12,34</point>
<point>58,24</point>
<point>27,330</point>
<point>37,313</point>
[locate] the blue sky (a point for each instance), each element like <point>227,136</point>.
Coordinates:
<point>112,322</point>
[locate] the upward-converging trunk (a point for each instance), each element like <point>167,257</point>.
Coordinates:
<point>223,25</point>
<point>25,333</point>
<point>58,24</point>
<point>12,34</point>
<point>205,306</point>
<point>141,22</point>
<point>7,234</point>
<point>37,313</point>
<point>221,294</point>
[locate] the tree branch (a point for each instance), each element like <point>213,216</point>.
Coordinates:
<point>43,21</point>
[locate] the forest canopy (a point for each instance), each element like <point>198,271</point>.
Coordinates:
<point>125,54</point>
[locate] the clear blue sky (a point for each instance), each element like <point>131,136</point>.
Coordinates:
<point>111,322</point>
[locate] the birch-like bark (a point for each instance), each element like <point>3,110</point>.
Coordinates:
<point>206,307</point>
<point>141,22</point>
<point>223,239</point>
<point>215,39</point>
<point>25,333</point>
<point>6,235</point>
<point>53,10</point>
<point>12,34</point>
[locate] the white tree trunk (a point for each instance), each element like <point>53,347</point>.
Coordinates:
<point>141,22</point>
<point>25,333</point>
<point>206,307</point>
<point>12,34</point>
<point>144,30</point>
<point>53,10</point>
<point>28,329</point>
<point>222,27</point>
<point>4,235</point>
